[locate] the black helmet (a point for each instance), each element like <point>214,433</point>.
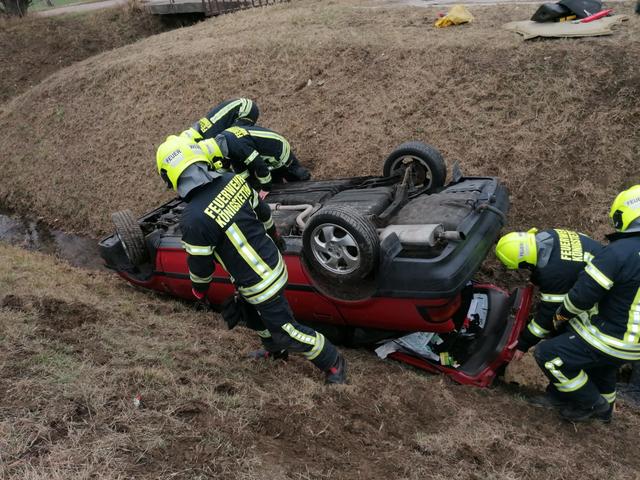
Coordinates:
<point>550,12</point>
<point>582,8</point>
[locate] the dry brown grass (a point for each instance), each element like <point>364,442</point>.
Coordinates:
<point>75,347</point>
<point>556,119</point>
<point>32,48</point>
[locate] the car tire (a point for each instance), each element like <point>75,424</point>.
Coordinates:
<point>131,236</point>
<point>341,244</point>
<point>429,168</point>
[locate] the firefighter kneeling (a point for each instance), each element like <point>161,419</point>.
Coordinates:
<point>225,220</point>
<point>603,314</point>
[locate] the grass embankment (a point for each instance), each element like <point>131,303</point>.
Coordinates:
<point>35,47</point>
<point>77,347</point>
<point>556,119</point>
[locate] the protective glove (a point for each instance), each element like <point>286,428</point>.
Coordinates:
<point>202,302</point>
<point>559,318</point>
<point>277,239</point>
<point>197,294</point>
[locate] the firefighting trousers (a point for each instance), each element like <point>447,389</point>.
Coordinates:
<point>278,330</point>
<point>577,371</point>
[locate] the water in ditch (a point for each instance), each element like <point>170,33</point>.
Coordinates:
<point>23,232</point>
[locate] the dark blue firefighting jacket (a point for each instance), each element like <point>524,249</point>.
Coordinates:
<point>256,150</point>
<point>605,301</point>
<point>220,223</point>
<point>569,253</point>
<point>225,115</point>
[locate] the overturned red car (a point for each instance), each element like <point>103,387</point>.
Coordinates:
<point>370,260</point>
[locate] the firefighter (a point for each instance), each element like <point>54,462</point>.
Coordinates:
<point>220,224</point>
<point>265,155</point>
<point>554,257</point>
<point>602,310</point>
<point>238,111</point>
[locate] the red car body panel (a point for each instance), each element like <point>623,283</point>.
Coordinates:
<point>487,374</point>
<point>417,287</point>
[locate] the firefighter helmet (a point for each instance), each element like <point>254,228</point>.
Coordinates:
<point>175,155</point>
<point>516,248</point>
<point>625,209</point>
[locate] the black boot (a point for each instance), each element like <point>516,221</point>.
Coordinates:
<point>337,374</point>
<point>547,400</point>
<point>295,172</point>
<point>598,411</point>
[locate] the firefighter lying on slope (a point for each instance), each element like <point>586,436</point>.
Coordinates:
<point>220,224</point>
<point>264,154</point>
<point>603,314</point>
<point>236,112</point>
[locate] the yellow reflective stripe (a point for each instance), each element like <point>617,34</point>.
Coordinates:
<point>226,109</point>
<point>609,397</point>
<point>587,257</point>
<point>196,279</point>
<point>246,251</point>
<point>197,249</point>
<point>552,297</point>
<point>298,335</point>
<point>317,348</point>
<point>260,286</point>
<point>264,333</point>
<point>598,276</point>
<point>633,325</point>
<point>553,365</point>
<point>286,151</point>
<point>588,336</point>
<point>607,339</point>
<point>268,224</point>
<point>265,179</point>
<point>255,199</point>
<point>537,330</point>
<point>286,148</point>
<point>270,292</point>
<point>571,385</point>
<point>251,157</point>
<point>568,304</point>
<point>245,107</point>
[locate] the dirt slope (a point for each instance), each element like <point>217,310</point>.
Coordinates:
<point>77,347</point>
<point>558,120</point>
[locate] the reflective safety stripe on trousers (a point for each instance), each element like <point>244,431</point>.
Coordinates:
<point>269,286</point>
<point>316,341</point>
<point>565,384</point>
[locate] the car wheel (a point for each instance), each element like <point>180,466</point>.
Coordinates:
<point>428,168</point>
<point>131,236</point>
<point>341,244</point>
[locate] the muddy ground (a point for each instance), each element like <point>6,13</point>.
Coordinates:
<point>557,120</point>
